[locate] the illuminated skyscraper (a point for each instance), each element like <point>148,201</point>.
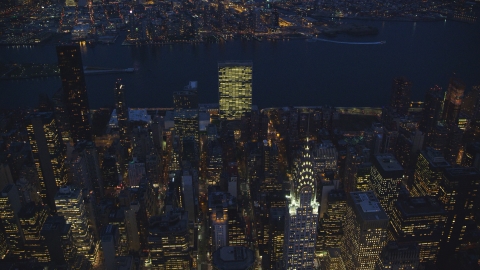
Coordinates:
<point>32,218</point>
<point>453,101</point>
<point>48,155</point>
<point>122,111</point>
<point>386,179</point>
<point>234,89</point>
<point>186,125</point>
<point>365,231</point>
<point>401,88</point>
<point>301,217</point>
<point>168,241</point>
<point>74,91</point>
<point>418,220</point>
<point>331,224</point>
<point>428,172</point>
<point>10,227</point>
<point>458,193</point>
<point>70,205</point>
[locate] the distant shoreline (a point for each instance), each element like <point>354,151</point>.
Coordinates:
<point>273,37</point>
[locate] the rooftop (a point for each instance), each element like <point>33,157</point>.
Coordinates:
<point>435,157</point>
<point>367,206</point>
<point>388,163</point>
<point>419,206</point>
<point>233,258</point>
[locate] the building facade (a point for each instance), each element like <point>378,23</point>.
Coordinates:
<point>235,89</point>
<point>365,231</point>
<point>74,91</point>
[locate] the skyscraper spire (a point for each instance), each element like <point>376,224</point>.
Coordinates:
<point>302,216</point>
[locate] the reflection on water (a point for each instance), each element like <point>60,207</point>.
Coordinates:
<point>292,72</point>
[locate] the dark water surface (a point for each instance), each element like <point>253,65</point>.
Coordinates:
<point>292,72</point>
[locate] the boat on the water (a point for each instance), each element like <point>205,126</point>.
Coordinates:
<point>99,70</point>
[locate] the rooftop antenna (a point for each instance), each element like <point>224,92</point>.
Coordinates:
<point>308,129</point>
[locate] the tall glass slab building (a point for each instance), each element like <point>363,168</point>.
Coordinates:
<point>234,89</point>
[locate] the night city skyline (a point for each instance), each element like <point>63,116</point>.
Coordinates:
<point>227,169</point>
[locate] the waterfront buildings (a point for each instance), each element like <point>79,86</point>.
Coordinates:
<point>301,216</point>
<point>235,89</point>
<point>188,98</point>
<point>365,231</point>
<point>74,92</point>
<point>400,99</point>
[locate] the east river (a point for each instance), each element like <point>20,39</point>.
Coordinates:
<point>294,72</point>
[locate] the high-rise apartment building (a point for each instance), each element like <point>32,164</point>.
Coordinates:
<point>418,220</point>
<point>428,172</point>
<point>234,89</point>
<point>74,91</point>
<point>386,180</point>
<point>301,217</point>
<point>48,154</point>
<point>400,99</point>
<point>365,231</point>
